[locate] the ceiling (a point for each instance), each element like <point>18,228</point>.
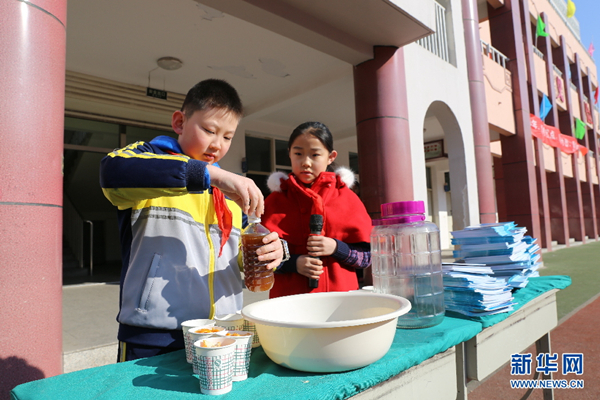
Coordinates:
<point>290,60</point>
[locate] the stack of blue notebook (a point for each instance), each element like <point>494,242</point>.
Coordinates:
<point>492,260</point>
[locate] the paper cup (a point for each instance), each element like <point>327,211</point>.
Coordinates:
<point>250,327</point>
<point>215,364</point>
<point>243,348</point>
<point>189,344</point>
<point>197,334</point>
<point>231,322</point>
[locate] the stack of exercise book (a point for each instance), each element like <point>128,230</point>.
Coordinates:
<point>492,260</point>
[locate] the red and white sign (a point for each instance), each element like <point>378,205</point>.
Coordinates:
<point>552,137</point>
<point>434,149</point>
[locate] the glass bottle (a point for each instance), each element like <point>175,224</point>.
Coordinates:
<point>257,277</point>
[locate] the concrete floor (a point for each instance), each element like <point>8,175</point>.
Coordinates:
<point>89,325</point>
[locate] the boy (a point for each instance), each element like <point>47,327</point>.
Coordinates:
<point>179,238</point>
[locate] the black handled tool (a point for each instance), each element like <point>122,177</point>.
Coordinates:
<point>316,226</point>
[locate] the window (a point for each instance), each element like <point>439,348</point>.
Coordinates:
<point>85,134</point>
<point>264,156</point>
<point>353,161</point>
<point>104,137</point>
<point>448,192</point>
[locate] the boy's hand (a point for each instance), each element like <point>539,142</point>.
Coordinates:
<point>272,250</point>
<point>309,266</point>
<point>240,189</point>
<point>320,246</point>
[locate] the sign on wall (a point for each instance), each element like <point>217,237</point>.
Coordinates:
<point>156,93</point>
<point>434,149</point>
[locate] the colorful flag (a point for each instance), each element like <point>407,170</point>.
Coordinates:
<point>591,49</point>
<point>596,96</point>
<point>579,129</point>
<point>588,113</point>
<point>541,28</point>
<point>545,107</point>
<point>570,9</point>
<point>560,89</point>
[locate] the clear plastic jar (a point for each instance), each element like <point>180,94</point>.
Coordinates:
<point>407,262</point>
<point>381,255</point>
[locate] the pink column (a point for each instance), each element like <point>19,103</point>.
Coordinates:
<point>557,196</point>
<point>32,44</point>
<point>587,188</point>
<point>566,123</point>
<point>382,129</point>
<point>520,186</point>
<point>481,133</point>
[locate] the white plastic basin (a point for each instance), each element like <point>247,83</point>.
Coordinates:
<point>327,332</point>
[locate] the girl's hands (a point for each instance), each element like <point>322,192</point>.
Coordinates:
<point>309,266</point>
<point>320,246</point>
<point>317,246</point>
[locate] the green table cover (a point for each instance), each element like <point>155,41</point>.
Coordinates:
<point>169,376</point>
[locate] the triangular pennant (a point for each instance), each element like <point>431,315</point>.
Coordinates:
<point>545,107</point>
<point>541,28</point>
<point>579,129</point>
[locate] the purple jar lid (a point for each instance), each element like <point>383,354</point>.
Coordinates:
<point>402,208</point>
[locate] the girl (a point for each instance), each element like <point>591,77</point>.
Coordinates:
<point>312,188</point>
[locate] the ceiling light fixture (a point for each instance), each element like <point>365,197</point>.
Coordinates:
<point>169,63</point>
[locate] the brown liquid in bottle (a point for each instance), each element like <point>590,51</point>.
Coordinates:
<point>256,276</point>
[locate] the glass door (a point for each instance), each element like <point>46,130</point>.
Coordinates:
<point>91,248</point>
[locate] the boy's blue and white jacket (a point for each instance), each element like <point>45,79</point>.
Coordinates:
<point>170,242</point>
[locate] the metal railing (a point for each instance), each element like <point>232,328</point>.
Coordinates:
<point>91,246</point>
<point>73,229</point>
<point>537,52</point>
<point>437,43</point>
<point>73,226</point>
<point>558,71</point>
<point>489,51</point>
<point>573,86</point>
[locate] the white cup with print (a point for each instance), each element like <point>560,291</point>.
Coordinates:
<point>189,344</point>
<point>250,327</point>
<point>243,349</point>
<point>214,359</point>
<point>231,322</point>
<point>203,332</point>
